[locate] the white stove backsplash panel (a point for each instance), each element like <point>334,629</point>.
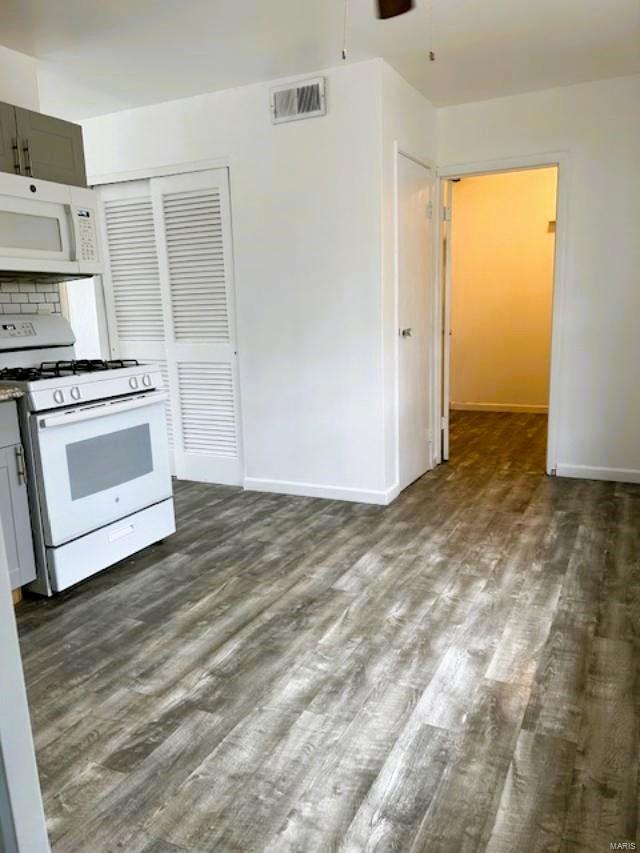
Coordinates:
<point>29,298</point>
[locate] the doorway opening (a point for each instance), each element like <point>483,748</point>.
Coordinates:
<point>499,236</point>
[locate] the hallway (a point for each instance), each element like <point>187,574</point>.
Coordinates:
<point>500,440</point>
<point>455,672</point>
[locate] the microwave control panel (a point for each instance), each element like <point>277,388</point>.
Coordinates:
<point>87,238</point>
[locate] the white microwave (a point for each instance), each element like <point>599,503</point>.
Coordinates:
<point>48,229</point>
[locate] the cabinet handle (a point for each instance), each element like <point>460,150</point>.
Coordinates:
<point>27,152</point>
<point>17,166</point>
<point>22,474</point>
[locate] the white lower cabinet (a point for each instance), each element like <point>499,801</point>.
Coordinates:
<point>14,506</point>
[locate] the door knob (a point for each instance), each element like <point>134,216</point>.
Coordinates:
<point>406,333</point>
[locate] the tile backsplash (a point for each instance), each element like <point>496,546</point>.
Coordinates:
<point>29,298</point>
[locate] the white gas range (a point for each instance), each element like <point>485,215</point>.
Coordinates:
<point>96,448</point>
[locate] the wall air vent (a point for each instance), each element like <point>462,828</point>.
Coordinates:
<point>304,100</point>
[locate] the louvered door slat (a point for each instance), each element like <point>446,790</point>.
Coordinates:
<point>133,261</point>
<point>162,365</point>
<point>195,252</point>
<point>207,409</point>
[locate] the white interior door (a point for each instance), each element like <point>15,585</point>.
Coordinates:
<point>414,319</point>
<point>194,223</point>
<point>169,295</point>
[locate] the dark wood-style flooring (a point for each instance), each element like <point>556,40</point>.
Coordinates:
<point>457,672</point>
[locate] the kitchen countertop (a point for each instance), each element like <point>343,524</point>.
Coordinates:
<point>10,393</point>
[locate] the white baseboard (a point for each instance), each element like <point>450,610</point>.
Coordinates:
<point>588,472</point>
<point>525,408</point>
<point>313,490</point>
<point>392,493</point>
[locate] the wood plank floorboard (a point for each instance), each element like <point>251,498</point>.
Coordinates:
<point>458,672</point>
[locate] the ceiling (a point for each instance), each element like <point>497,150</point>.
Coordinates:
<point>98,56</point>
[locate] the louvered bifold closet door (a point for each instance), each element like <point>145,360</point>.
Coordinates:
<point>194,243</point>
<point>133,292</point>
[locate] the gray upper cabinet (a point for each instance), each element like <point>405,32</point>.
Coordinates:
<point>47,148</point>
<point>51,148</point>
<point>9,160</point>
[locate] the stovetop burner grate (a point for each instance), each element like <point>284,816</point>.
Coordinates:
<point>24,374</point>
<point>55,369</point>
<point>85,365</point>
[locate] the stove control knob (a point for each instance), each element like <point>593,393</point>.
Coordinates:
<point>58,396</point>
<point>133,382</point>
<point>146,380</point>
<point>75,393</point>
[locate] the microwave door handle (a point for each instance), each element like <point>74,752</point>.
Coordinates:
<point>101,410</point>
<point>73,239</point>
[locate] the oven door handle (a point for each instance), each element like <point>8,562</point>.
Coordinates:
<point>101,410</point>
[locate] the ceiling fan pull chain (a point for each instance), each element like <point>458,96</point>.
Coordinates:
<point>345,29</point>
<point>432,53</point>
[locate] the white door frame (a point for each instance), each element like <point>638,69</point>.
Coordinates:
<point>399,151</point>
<point>443,332</point>
<point>558,314</point>
<point>158,171</point>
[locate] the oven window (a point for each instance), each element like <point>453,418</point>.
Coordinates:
<point>24,231</point>
<point>100,463</point>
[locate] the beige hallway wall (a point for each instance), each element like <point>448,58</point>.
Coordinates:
<point>502,282</point>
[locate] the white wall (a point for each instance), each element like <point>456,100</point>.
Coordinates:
<point>18,79</point>
<point>408,124</point>
<point>598,126</point>
<point>306,206</point>
<point>83,301</point>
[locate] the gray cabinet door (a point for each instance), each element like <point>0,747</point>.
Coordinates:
<point>8,139</point>
<point>51,148</point>
<point>14,516</point>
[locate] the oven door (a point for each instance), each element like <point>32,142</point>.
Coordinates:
<point>99,463</point>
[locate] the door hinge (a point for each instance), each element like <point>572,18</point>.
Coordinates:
<point>443,422</point>
<point>446,214</point>
<point>430,210</point>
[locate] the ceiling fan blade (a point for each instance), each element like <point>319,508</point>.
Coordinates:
<point>391,8</point>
